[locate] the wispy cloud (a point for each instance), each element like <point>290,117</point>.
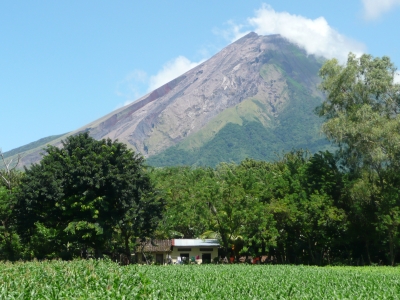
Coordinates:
<point>314,35</point>
<point>232,33</point>
<point>373,9</point>
<point>138,82</point>
<point>132,87</point>
<point>170,71</point>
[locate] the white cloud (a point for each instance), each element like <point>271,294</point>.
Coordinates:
<point>127,102</point>
<point>233,33</point>
<point>170,71</point>
<point>132,87</point>
<point>128,87</point>
<point>373,9</point>
<point>315,36</point>
<point>396,78</point>
<point>138,83</point>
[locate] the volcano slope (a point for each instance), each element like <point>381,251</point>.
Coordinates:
<point>270,91</point>
<point>255,98</point>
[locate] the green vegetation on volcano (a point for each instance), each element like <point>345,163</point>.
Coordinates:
<point>250,129</point>
<point>39,143</point>
<point>238,142</point>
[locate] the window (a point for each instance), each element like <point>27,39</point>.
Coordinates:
<point>186,255</point>
<point>185,249</point>
<point>206,249</point>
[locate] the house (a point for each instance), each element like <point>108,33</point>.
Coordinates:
<point>202,250</point>
<point>177,250</point>
<point>153,251</point>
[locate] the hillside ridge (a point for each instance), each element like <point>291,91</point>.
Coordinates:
<point>255,79</point>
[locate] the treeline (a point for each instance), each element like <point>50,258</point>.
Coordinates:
<point>308,209</point>
<point>291,209</point>
<point>297,210</point>
<point>99,197</point>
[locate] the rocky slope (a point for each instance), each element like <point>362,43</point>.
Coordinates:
<point>261,85</point>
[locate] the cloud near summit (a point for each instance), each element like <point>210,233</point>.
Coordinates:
<point>315,36</point>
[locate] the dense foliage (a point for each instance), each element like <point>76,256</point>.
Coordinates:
<point>320,209</point>
<point>86,195</point>
<point>362,112</point>
<point>290,209</point>
<point>234,143</point>
<point>107,280</point>
<point>301,208</point>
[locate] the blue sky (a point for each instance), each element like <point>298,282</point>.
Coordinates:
<point>65,64</point>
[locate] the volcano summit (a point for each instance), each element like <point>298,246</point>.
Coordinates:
<point>254,98</point>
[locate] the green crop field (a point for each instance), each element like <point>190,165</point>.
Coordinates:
<point>107,280</point>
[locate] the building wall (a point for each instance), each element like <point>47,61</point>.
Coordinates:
<point>195,251</point>
<point>176,251</point>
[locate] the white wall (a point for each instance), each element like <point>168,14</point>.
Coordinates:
<point>195,251</point>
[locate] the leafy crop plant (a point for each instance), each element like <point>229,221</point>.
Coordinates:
<point>106,280</point>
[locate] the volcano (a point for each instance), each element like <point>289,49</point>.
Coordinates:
<point>253,99</point>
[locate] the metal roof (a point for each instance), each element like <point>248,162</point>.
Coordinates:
<point>195,242</point>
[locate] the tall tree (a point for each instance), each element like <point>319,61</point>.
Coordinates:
<point>362,117</point>
<point>86,191</point>
<point>9,181</point>
<point>240,218</point>
<point>186,213</point>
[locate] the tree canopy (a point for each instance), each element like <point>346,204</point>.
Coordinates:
<point>86,194</point>
<point>362,118</point>
<point>302,208</point>
<point>10,178</point>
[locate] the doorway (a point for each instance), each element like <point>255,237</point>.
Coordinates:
<point>206,258</point>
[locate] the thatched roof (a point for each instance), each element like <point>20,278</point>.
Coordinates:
<point>154,246</point>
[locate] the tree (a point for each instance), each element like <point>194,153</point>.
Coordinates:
<point>9,181</point>
<point>88,191</point>
<point>362,117</point>
<point>239,217</point>
<point>216,203</point>
<point>186,214</point>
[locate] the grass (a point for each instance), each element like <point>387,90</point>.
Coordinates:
<point>107,280</point>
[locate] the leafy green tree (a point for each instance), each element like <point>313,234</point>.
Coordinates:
<point>215,203</point>
<point>298,190</point>
<point>324,183</point>
<point>362,118</point>
<point>9,180</point>
<point>186,214</point>
<point>88,191</point>
<point>240,218</point>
